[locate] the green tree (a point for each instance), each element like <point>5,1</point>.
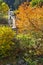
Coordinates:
<point>37,2</point>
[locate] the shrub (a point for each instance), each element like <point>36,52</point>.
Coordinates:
<point>32,42</point>
<point>30,47</point>
<point>25,40</point>
<point>6,43</point>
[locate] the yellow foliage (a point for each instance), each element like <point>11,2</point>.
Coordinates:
<point>6,35</point>
<point>4,8</point>
<point>6,43</point>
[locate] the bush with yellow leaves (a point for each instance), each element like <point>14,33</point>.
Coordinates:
<point>6,43</point>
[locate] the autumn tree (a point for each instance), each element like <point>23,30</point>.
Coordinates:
<point>5,7</point>
<point>28,18</point>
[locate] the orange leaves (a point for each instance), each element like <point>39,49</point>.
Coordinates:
<point>28,18</point>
